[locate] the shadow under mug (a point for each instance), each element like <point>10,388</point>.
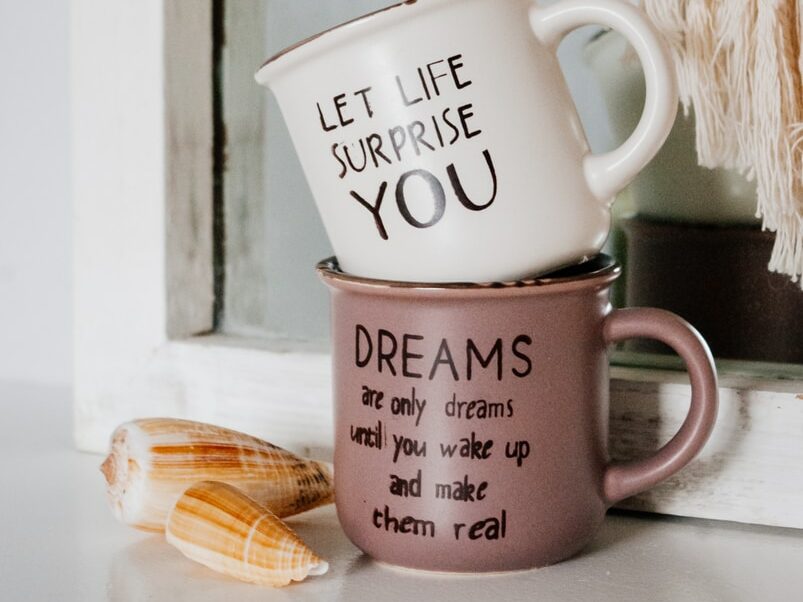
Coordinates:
<point>472,420</point>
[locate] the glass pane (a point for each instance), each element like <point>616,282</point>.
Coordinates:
<point>274,236</point>
<point>686,236</point>
<point>273,242</point>
<point>689,237</point>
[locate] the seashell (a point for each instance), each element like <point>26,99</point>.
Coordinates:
<point>224,529</point>
<point>153,461</point>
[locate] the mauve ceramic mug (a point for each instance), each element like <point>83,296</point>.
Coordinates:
<point>441,143</point>
<point>472,420</point>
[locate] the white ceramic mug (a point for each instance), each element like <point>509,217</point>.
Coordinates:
<point>441,143</point>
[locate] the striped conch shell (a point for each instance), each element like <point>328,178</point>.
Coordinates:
<point>224,529</point>
<point>153,461</point>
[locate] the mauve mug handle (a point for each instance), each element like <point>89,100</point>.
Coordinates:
<point>625,480</point>
<point>608,174</point>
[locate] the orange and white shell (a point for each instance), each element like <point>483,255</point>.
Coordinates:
<point>224,529</point>
<point>153,461</point>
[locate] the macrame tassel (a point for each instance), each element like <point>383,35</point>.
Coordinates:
<point>736,56</point>
<point>739,65</point>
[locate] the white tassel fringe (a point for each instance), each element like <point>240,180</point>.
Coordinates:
<point>740,66</point>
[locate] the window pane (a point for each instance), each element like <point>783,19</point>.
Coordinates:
<point>685,235</point>
<point>689,237</point>
<point>273,235</point>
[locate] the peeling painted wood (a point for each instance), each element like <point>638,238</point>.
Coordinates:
<point>189,175</point>
<point>246,291</point>
<point>751,471</point>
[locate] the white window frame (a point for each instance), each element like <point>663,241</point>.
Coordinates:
<point>144,312</point>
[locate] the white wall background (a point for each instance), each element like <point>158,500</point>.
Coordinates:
<point>35,223</point>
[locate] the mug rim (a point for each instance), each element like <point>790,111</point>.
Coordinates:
<point>596,272</point>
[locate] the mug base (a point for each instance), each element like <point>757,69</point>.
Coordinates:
<point>455,574</point>
<point>478,571</point>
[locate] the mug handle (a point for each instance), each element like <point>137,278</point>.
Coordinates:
<point>625,480</point>
<point>608,174</point>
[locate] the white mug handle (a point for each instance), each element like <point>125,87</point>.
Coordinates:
<point>609,173</point>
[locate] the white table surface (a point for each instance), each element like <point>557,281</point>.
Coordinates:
<point>59,542</point>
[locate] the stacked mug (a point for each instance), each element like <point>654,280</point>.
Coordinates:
<point>470,301</point>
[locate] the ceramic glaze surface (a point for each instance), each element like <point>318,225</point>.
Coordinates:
<point>472,421</point>
<point>441,143</point>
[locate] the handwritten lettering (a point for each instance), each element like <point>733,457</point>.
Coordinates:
<point>372,437</point>
<point>383,352</point>
<point>408,525</point>
<point>408,447</point>
<point>461,491</point>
